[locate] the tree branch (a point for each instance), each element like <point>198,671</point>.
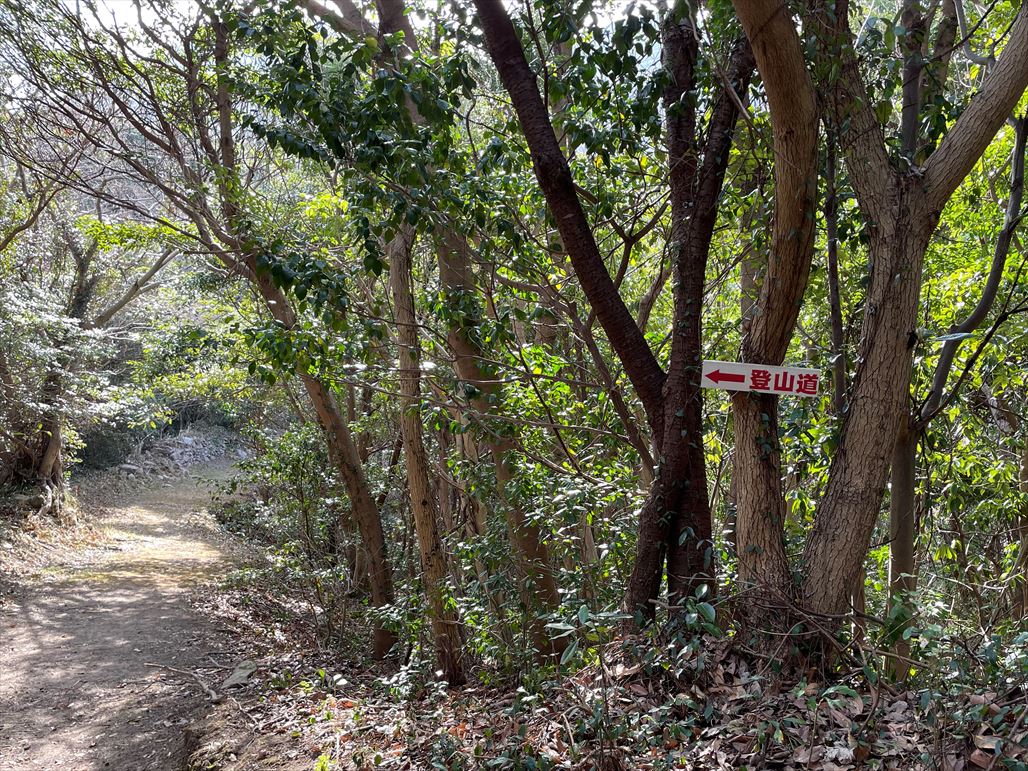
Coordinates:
<point>790,94</point>
<point>136,288</point>
<point>555,179</point>
<point>976,127</point>
<point>999,261</point>
<point>347,20</point>
<point>845,100</point>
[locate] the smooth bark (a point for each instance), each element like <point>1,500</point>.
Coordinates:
<point>790,95</point>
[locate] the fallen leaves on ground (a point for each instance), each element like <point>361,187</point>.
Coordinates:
<point>623,713</point>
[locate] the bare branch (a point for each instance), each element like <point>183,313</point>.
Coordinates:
<point>347,20</point>
<point>999,262</point>
<point>139,286</point>
<point>976,127</point>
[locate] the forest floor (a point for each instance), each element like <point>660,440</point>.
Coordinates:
<point>103,660</point>
<point>119,636</point>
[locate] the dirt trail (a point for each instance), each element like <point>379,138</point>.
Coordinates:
<point>76,691</point>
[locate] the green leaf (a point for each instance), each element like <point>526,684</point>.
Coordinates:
<point>707,611</point>
<point>569,652</point>
<point>953,336</point>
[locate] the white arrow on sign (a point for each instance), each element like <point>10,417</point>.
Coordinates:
<point>736,376</point>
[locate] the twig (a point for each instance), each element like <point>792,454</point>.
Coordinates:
<point>208,691</point>
<point>245,714</point>
<point>1017,725</point>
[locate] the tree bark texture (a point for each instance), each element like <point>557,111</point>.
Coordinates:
<point>790,94</point>
<point>902,208</point>
<point>434,562</point>
<point>846,516</point>
<point>834,296</point>
<point>902,537</point>
<point>677,516</point>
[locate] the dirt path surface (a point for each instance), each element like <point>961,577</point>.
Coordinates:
<point>89,647</point>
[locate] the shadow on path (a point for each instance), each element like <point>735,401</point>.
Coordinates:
<point>75,689</point>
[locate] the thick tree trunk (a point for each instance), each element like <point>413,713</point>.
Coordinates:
<point>48,474</point>
<point>690,557</point>
<point>760,501</point>
<point>842,529</point>
<point>902,210</point>
<point>761,506</point>
<point>675,523</point>
<point>434,562</point>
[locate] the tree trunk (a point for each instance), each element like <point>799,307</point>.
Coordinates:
<point>760,501</point>
<point>790,93</point>
<point>901,209</point>
<point>834,299</point>
<point>537,582</point>
<point>242,260</point>
<point>48,475</point>
<point>1020,578</point>
<point>902,580</point>
<point>344,455</point>
<point>675,522</point>
<point>445,625</point>
<point>842,528</point>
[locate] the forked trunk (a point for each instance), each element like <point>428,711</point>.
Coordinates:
<point>675,524</point>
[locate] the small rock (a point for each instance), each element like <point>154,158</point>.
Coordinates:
<point>241,674</point>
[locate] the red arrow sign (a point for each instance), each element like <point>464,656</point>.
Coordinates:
<point>725,377</point>
<point>740,376</point>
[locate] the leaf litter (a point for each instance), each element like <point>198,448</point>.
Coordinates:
<point>630,710</point>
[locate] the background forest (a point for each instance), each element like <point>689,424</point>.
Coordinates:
<point>451,270</point>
